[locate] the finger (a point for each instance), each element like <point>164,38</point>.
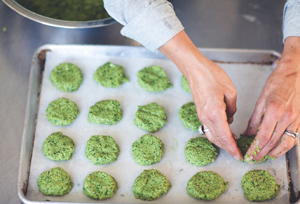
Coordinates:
<point>286,143</point>
<point>230,100</point>
<point>224,134</point>
<point>234,136</point>
<point>211,138</point>
<point>263,135</point>
<point>255,120</point>
<point>230,120</point>
<point>277,134</point>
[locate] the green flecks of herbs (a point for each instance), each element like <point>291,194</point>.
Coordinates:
<point>55,182</point>
<point>259,186</point>
<point>70,10</point>
<point>151,117</point>
<point>99,185</point>
<point>200,151</point>
<point>147,150</point>
<point>150,185</point>
<point>58,147</point>
<point>102,150</point>
<point>66,77</point>
<point>185,84</point>
<point>110,75</point>
<point>105,112</point>
<point>189,117</point>
<point>62,112</point>
<point>206,185</point>
<point>244,143</point>
<point>272,158</point>
<point>153,79</point>
<point>254,153</point>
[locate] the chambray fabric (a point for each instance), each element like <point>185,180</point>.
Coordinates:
<point>153,22</point>
<point>291,19</point>
<point>150,22</point>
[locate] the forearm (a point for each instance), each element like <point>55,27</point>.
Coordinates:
<point>291,52</point>
<point>184,54</point>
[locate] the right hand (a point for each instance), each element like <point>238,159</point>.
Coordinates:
<point>215,98</point>
<point>213,92</point>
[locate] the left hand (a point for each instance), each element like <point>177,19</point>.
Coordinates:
<point>278,107</point>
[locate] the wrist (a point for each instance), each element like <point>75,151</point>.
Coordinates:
<point>291,52</point>
<point>184,54</point>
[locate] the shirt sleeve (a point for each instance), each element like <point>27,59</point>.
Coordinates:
<point>150,22</point>
<point>291,19</point>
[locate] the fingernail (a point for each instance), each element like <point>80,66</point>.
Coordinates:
<point>245,132</point>
<point>238,158</point>
<point>249,158</point>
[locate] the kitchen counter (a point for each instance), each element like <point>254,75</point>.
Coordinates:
<point>248,24</point>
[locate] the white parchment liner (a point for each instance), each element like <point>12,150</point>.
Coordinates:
<point>248,79</point>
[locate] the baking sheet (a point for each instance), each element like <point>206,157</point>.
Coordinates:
<point>248,79</point>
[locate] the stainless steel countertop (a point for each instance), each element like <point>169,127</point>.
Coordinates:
<point>247,24</point>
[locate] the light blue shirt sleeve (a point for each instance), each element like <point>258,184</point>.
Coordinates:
<point>150,22</point>
<point>291,19</point>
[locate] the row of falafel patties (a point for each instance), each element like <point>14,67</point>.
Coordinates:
<point>150,117</point>
<point>68,77</point>
<point>258,185</point>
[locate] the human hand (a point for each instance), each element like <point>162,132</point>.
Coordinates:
<point>278,107</point>
<point>213,92</point>
<point>215,98</point>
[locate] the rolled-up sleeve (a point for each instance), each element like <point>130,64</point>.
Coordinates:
<point>150,22</point>
<point>291,19</point>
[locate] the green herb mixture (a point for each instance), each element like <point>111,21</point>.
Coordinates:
<point>151,117</point>
<point>153,79</point>
<point>206,185</point>
<point>150,185</point>
<point>99,185</point>
<point>70,10</point>
<point>58,147</point>
<point>102,150</point>
<point>105,112</point>
<point>185,84</point>
<point>147,150</point>
<point>62,112</point>
<point>189,117</point>
<point>200,151</point>
<point>55,182</point>
<point>110,75</point>
<point>66,77</point>
<point>259,185</point>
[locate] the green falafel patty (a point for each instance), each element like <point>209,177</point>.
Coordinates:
<point>147,150</point>
<point>58,147</point>
<point>206,185</point>
<point>55,182</point>
<point>99,185</point>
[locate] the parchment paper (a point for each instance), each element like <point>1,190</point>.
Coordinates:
<point>248,79</point>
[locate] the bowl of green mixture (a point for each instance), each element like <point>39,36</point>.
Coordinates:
<point>63,13</point>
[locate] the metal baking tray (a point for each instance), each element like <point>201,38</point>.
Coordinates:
<point>264,58</point>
